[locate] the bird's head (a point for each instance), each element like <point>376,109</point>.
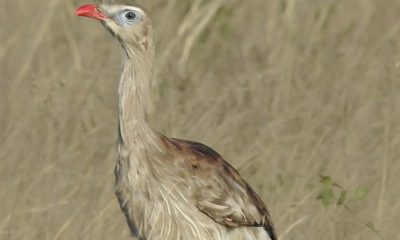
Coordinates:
<point>129,24</point>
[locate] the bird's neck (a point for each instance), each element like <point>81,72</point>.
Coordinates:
<point>134,90</point>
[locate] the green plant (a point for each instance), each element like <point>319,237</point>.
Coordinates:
<point>331,193</point>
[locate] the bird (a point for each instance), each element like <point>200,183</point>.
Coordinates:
<point>168,188</point>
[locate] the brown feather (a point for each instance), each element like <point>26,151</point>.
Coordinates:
<point>205,163</point>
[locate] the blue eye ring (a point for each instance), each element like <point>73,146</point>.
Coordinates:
<point>128,17</point>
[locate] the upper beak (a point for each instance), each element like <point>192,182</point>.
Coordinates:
<point>90,10</point>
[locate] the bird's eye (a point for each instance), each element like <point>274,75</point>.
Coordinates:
<point>130,15</point>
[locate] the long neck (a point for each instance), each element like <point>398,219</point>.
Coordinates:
<point>134,89</point>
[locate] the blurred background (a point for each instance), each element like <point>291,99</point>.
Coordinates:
<point>301,96</point>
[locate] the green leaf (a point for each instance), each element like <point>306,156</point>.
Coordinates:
<point>326,196</point>
<point>361,193</point>
<point>342,198</point>
<point>325,180</point>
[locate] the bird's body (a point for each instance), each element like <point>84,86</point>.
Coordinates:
<point>164,191</point>
<point>171,189</point>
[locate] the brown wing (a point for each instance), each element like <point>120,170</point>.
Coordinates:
<point>220,192</point>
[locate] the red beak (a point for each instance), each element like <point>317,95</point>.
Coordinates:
<point>90,10</point>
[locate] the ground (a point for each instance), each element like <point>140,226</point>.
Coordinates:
<point>302,97</point>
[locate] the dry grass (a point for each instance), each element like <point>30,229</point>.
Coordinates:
<point>285,90</point>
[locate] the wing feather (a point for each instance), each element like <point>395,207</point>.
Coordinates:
<point>220,192</point>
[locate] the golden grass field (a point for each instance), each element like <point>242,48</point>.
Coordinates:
<point>286,90</point>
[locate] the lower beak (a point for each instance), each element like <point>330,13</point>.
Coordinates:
<point>90,10</point>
